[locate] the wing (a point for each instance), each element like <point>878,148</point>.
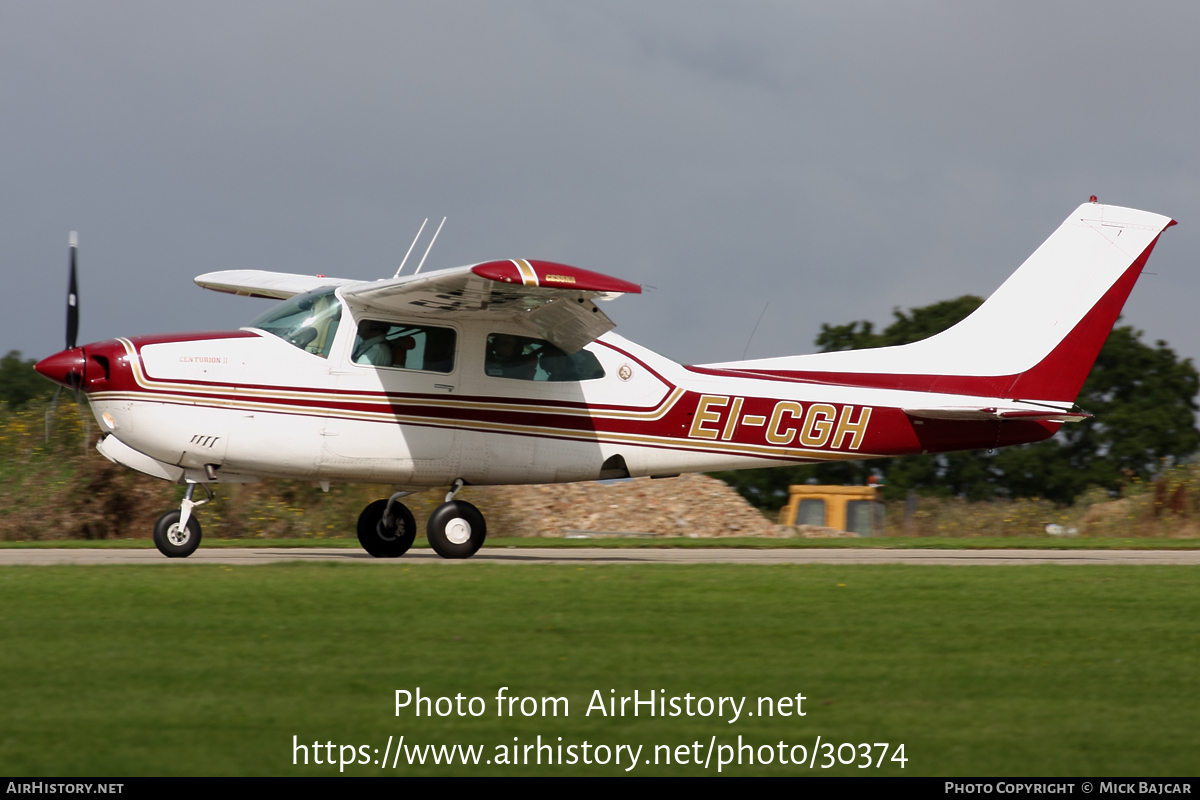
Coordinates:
<point>260,283</point>
<point>552,301</point>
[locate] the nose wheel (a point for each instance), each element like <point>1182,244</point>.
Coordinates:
<point>177,533</point>
<point>174,540</point>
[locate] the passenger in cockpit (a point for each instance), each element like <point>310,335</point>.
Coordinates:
<point>400,349</point>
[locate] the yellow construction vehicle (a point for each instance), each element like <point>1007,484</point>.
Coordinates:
<point>856,509</point>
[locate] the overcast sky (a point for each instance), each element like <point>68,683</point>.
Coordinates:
<point>833,159</point>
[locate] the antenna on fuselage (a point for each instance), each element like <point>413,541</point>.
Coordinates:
<point>427,249</point>
<point>410,247</point>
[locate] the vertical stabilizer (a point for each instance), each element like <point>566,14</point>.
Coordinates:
<point>1035,338</point>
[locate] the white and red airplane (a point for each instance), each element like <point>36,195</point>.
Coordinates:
<point>506,372</point>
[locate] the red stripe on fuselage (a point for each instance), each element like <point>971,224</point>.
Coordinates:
<point>890,432</point>
<point>170,338</point>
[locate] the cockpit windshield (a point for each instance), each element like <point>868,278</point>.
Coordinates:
<point>308,321</point>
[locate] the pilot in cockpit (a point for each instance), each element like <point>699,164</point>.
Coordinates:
<point>372,347</point>
<point>507,358</point>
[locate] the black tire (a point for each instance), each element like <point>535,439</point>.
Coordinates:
<point>456,529</point>
<point>383,543</point>
<point>172,542</point>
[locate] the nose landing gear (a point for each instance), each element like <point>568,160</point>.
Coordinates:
<point>177,533</point>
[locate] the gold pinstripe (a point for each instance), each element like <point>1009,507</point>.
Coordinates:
<point>731,448</point>
<point>528,274</point>
<point>160,386</point>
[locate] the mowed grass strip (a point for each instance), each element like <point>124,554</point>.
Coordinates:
<point>196,670</point>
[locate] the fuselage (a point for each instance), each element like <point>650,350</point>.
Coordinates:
<point>236,405</point>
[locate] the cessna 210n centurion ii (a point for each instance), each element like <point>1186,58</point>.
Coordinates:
<point>507,372</point>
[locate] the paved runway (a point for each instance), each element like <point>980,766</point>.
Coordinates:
<point>596,555</point>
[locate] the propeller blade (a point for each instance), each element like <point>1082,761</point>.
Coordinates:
<point>85,419</point>
<point>72,334</point>
<point>50,412</point>
<point>73,295</point>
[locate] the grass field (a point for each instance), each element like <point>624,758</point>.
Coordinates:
<point>1036,670</point>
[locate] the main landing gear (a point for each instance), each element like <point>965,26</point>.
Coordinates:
<point>177,533</point>
<point>456,529</point>
<point>386,528</point>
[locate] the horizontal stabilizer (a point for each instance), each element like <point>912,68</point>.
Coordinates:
<point>996,414</point>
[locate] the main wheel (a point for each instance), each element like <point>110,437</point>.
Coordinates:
<point>456,529</point>
<point>172,540</point>
<point>384,541</point>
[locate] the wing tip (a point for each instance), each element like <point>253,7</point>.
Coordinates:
<point>551,275</point>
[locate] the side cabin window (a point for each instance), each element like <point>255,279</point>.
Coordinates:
<point>308,321</point>
<point>526,359</point>
<point>404,346</point>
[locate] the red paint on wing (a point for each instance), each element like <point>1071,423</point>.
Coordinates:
<point>550,274</point>
<point>556,276</point>
<point>501,271</point>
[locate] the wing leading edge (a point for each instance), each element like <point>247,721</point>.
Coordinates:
<point>260,283</point>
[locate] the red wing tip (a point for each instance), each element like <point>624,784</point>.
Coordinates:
<point>550,275</point>
<point>1171,224</point>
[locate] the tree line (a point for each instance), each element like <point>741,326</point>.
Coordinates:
<point>19,384</point>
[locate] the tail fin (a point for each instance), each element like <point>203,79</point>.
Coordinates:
<point>1035,338</point>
